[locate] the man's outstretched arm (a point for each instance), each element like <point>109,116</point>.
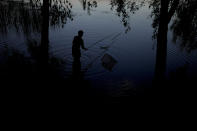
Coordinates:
<point>82,46</point>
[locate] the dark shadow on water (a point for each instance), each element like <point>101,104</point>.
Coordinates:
<point>31,80</point>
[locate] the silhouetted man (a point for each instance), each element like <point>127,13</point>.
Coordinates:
<point>77,43</point>
<point>76,53</point>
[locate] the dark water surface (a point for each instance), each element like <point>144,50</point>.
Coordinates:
<point>147,44</point>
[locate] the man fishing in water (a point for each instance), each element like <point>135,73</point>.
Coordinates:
<point>76,53</point>
<point>77,43</point>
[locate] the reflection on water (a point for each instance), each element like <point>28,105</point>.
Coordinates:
<point>36,45</point>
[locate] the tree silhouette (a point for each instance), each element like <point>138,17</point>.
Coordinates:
<point>185,15</point>
<point>184,26</point>
<point>163,15</point>
<point>39,15</point>
<point>124,8</point>
<point>12,15</point>
<point>39,65</point>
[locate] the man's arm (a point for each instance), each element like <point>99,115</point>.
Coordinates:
<point>82,45</point>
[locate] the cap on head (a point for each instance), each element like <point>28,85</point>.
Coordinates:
<point>80,33</point>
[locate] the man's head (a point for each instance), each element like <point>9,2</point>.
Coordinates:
<point>80,33</point>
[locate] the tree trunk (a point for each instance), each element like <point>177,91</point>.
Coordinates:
<point>45,32</point>
<point>161,55</point>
